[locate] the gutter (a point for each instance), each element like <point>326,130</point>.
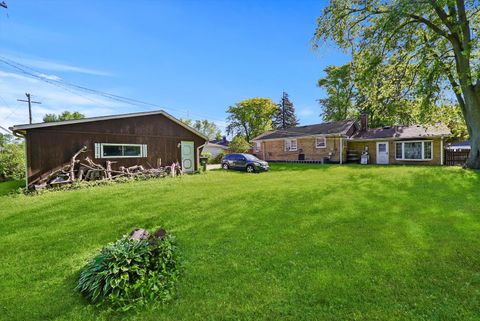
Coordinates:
<point>299,137</point>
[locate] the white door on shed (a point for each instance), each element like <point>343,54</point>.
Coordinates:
<point>188,156</point>
<point>382,152</point>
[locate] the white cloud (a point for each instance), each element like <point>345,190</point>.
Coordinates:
<point>45,64</point>
<point>53,100</point>
<point>50,77</point>
<point>306,112</point>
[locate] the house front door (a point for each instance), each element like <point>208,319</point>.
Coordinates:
<point>188,156</point>
<point>382,153</point>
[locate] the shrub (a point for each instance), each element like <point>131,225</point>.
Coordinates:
<point>12,161</point>
<point>130,273</point>
<point>217,159</point>
<point>207,154</point>
<point>239,145</point>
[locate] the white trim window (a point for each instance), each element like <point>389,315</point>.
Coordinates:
<point>258,146</point>
<point>290,145</point>
<point>108,150</point>
<point>320,142</point>
<point>414,150</point>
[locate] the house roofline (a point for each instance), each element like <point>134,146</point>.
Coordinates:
<point>342,133</point>
<point>396,138</point>
<point>216,145</point>
<point>25,127</point>
<point>304,136</point>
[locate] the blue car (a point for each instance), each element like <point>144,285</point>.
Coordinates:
<point>244,162</point>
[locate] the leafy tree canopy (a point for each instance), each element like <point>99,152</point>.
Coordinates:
<point>251,117</point>
<point>208,128</point>
<point>66,115</point>
<point>345,100</point>
<point>12,158</point>
<point>423,51</point>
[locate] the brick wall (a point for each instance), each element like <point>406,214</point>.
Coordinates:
<point>359,146</point>
<point>275,150</point>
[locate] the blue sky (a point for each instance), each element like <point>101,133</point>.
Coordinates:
<point>193,58</point>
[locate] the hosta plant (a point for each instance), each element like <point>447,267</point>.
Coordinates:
<point>131,272</point>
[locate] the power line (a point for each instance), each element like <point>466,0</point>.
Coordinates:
<point>63,84</point>
<point>6,129</point>
<point>12,110</point>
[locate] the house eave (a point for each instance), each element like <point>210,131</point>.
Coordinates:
<point>395,138</point>
<point>24,127</point>
<point>298,137</point>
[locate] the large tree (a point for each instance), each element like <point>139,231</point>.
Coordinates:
<point>285,116</point>
<point>251,117</point>
<point>339,86</point>
<point>347,96</point>
<point>66,115</point>
<point>208,128</point>
<point>433,44</point>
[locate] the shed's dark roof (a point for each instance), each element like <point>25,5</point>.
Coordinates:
<point>25,127</point>
<point>415,131</point>
<point>330,128</point>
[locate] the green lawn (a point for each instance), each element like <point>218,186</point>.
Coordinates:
<point>297,243</point>
<point>10,187</point>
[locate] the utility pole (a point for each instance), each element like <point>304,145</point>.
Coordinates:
<point>30,102</point>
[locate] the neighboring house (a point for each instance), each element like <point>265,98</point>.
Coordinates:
<point>344,141</point>
<point>151,139</point>
<point>216,147</point>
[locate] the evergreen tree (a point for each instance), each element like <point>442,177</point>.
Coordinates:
<point>285,116</point>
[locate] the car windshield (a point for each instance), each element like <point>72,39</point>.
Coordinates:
<point>250,157</point>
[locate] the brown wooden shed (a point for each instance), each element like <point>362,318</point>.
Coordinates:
<point>151,139</point>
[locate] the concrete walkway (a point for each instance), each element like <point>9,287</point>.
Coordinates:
<point>213,166</point>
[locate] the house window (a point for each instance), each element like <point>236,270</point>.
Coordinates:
<point>257,146</point>
<point>320,142</point>
<point>291,145</point>
<point>414,150</point>
<point>107,150</point>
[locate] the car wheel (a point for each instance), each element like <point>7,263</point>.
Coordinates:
<point>250,169</point>
<point>225,166</point>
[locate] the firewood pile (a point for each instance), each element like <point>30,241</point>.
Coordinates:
<point>87,170</point>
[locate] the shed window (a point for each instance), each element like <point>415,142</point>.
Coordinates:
<point>106,150</point>
<point>320,142</point>
<point>291,145</point>
<point>257,146</point>
<point>414,150</point>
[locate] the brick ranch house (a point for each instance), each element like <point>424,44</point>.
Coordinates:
<point>344,141</point>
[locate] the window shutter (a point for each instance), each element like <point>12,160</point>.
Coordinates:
<point>144,150</point>
<point>97,151</point>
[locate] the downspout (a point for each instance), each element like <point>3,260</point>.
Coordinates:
<point>17,134</point>
<point>341,150</point>
<point>198,155</point>
<point>441,151</point>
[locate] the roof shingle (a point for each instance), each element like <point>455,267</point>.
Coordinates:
<point>400,132</point>
<point>330,128</point>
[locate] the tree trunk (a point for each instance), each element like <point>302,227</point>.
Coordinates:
<point>472,119</point>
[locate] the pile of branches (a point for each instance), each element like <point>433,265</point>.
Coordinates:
<point>86,169</point>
